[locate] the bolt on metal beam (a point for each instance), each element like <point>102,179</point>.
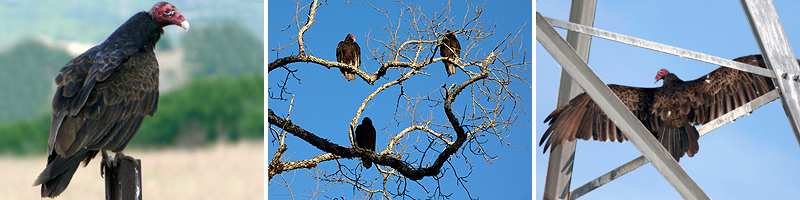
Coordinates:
<point>778,55</point>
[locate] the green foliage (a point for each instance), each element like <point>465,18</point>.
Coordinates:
<point>25,136</point>
<point>28,70</point>
<point>224,48</point>
<point>207,109</point>
<point>204,110</point>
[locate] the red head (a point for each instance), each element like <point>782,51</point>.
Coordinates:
<point>661,74</point>
<point>450,33</point>
<point>166,14</point>
<point>350,38</point>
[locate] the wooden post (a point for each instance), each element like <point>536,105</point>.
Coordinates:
<point>123,177</point>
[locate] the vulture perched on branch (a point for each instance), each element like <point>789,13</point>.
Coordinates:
<point>365,138</point>
<point>670,112</point>
<point>450,48</point>
<point>103,95</point>
<point>348,52</point>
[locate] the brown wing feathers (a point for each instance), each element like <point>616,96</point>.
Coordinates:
<point>348,52</point>
<point>103,96</point>
<point>450,48</point>
<point>365,138</point>
<point>725,89</point>
<point>669,112</point>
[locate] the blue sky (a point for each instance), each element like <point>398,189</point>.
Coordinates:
<point>753,158</point>
<point>325,102</point>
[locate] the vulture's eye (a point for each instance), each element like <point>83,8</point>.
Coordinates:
<point>169,12</point>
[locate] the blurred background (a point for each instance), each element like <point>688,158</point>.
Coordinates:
<point>206,139</point>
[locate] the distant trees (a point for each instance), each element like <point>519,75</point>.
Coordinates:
<point>226,101</point>
<point>28,69</point>
<point>225,48</point>
<point>25,136</point>
<point>204,110</point>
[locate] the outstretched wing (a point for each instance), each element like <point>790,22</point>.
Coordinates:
<point>581,118</point>
<point>725,89</point>
<point>668,112</point>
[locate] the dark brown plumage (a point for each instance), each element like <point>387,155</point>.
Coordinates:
<point>450,48</point>
<point>670,112</point>
<point>348,52</point>
<point>103,96</point>
<point>365,138</point>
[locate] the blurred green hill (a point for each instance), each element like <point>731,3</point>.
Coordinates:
<point>92,21</point>
<point>204,110</point>
<point>211,76</point>
<point>28,70</point>
<point>213,44</point>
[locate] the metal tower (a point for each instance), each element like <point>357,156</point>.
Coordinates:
<point>576,74</point>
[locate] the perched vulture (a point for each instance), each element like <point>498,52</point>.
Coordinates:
<point>670,112</point>
<point>348,52</point>
<point>452,49</point>
<point>365,138</point>
<point>103,95</point>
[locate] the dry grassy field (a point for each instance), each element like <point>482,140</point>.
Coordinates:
<point>220,171</point>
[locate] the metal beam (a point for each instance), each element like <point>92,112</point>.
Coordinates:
<point>608,177</point>
<point>616,111</point>
<point>683,53</point>
<point>778,55</point>
<point>562,158</point>
<point>706,128</point>
<point>743,110</point>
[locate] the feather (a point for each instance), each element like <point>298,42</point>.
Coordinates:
<point>450,48</point>
<point>669,112</point>
<point>103,95</point>
<point>349,53</point>
<point>365,138</point>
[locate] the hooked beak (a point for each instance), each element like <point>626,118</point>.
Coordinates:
<point>185,25</point>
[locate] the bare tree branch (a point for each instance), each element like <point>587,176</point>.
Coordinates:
<point>410,48</point>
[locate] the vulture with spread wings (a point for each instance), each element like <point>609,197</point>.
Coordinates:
<point>670,112</point>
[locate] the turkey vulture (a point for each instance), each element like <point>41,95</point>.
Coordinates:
<point>365,138</point>
<point>452,49</point>
<point>348,52</point>
<point>670,112</point>
<point>103,95</point>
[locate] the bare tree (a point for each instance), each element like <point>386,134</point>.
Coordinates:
<point>490,106</point>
